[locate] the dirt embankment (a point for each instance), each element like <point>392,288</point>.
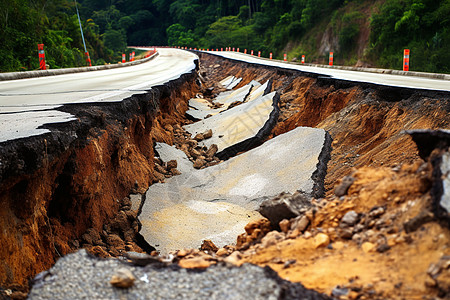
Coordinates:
<point>55,187</point>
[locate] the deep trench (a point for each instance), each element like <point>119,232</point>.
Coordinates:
<point>54,187</point>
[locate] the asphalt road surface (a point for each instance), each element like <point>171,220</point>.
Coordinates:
<point>382,79</point>
<point>26,104</point>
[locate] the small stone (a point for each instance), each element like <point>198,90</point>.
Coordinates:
<point>346,233</point>
<point>321,240</point>
<point>208,245</point>
<point>122,278</point>
<point>285,225</point>
<point>272,238</point>
<point>175,172</point>
<point>199,163</point>
<point>212,151</point>
<point>222,252</point>
<point>368,247</point>
<point>207,134</point>
<point>343,187</point>
<point>172,164</point>
<point>194,263</point>
<point>199,137</point>
<point>300,223</point>
<point>376,211</point>
<point>195,153</point>
<point>182,253</point>
<point>383,248</point>
<point>338,245</point>
<point>430,282</point>
<point>350,218</point>
<point>307,235</point>
<point>233,258</point>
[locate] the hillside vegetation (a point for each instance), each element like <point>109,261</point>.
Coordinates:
<point>359,32</point>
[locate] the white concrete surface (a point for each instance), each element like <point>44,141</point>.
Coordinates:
<point>43,93</point>
<point>383,79</point>
<point>236,124</point>
<point>216,202</point>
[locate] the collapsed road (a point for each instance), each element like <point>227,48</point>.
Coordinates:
<point>72,192</point>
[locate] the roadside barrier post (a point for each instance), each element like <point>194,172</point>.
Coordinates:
<point>251,53</point>
<point>270,55</point>
<point>259,53</point>
<point>331,59</point>
<point>303,59</point>
<point>233,49</point>
<point>221,49</point>
<point>41,57</point>
<point>88,59</point>
<point>245,51</point>
<point>237,49</point>
<point>285,57</point>
<point>406,60</point>
<point>124,59</point>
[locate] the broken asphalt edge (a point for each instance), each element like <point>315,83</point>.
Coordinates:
<point>318,177</point>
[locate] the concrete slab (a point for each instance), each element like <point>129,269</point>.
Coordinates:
<point>213,203</point>
<point>25,124</point>
<point>167,153</point>
<point>247,93</point>
<point>230,82</point>
<point>237,124</point>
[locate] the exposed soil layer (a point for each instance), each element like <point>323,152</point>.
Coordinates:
<point>56,187</point>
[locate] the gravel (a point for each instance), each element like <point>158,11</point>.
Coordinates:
<point>81,276</point>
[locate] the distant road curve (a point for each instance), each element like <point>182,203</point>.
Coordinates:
<point>358,76</point>
<point>27,104</point>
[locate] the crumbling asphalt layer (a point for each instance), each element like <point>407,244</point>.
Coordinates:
<point>81,276</point>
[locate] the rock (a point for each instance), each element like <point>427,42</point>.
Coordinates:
<point>285,225</point>
<point>383,247</point>
<point>199,163</point>
<point>141,259</point>
<point>172,164</point>
<point>123,278</point>
<point>91,236</point>
<point>199,137</point>
<point>195,263</point>
<point>368,247</point>
<point>233,258</point>
<point>339,291</point>
<point>115,241</point>
<point>350,218</point>
<point>175,172</point>
<point>272,238</point>
<point>307,235</point>
<point>99,251</point>
<point>376,211</point>
<point>285,206</point>
<point>207,134</point>
<point>343,187</point>
<point>208,245</point>
<point>222,252</point>
<point>346,233</point>
<point>262,224</point>
<point>195,153</point>
<point>300,223</point>
<point>321,240</point>
<point>212,151</point>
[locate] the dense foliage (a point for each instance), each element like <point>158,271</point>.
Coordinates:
<point>311,27</point>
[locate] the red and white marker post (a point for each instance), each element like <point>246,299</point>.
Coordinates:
<point>406,60</point>
<point>285,57</point>
<point>303,59</point>
<point>41,57</point>
<point>330,61</point>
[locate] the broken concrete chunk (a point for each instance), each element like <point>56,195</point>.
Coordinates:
<point>239,128</point>
<point>168,153</point>
<point>285,206</point>
<point>237,185</point>
<point>350,218</point>
<point>230,82</point>
<point>123,278</point>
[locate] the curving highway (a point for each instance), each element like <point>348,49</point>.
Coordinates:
<point>26,104</point>
<point>357,76</point>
